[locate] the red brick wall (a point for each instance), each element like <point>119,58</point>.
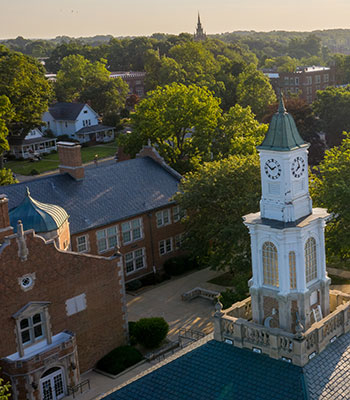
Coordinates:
<point>61,276</point>
<point>150,241</point>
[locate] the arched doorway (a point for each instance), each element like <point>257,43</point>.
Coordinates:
<point>52,384</point>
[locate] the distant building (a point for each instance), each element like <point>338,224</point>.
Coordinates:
<point>78,121</point>
<point>135,80</point>
<point>199,35</point>
<point>34,143</point>
<point>304,82</point>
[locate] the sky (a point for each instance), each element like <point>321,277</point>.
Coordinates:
<point>51,18</point>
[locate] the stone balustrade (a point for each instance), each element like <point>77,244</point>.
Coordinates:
<point>200,292</point>
<point>232,325</point>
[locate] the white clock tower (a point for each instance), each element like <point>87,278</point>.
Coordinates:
<point>289,283</point>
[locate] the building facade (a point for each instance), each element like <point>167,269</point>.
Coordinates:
<point>135,80</point>
<point>304,82</point>
<point>199,35</point>
<point>126,204</point>
<point>61,312</point>
<point>78,121</point>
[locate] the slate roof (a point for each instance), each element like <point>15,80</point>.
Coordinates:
<point>66,111</point>
<point>94,128</point>
<point>218,371</point>
<point>283,134</point>
<point>108,193</point>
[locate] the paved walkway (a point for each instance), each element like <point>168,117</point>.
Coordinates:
<point>165,301</point>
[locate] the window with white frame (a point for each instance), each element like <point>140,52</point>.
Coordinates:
<point>107,239</point>
<point>132,230</point>
<point>82,243</point>
<point>178,241</point>
<point>270,264</point>
<point>135,260</point>
<point>163,217</point>
<point>325,78</point>
<point>292,270</point>
<point>165,246</point>
<point>32,329</point>
<point>310,260</point>
<point>309,80</point>
<point>318,79</point>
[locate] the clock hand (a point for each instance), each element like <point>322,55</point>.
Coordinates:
<point>272,168</point>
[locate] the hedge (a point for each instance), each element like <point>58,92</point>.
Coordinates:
<point>150,332</point>
<point>119,359</point>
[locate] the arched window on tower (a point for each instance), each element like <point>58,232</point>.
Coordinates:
<point>292,270</point>
<point>310,260</point>
<point>270,264</point>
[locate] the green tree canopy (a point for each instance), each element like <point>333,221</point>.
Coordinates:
<point>180,121</point>
<point>239,133</point>
<point>332,106</point>
<point>255,90</point>
<point>81,80</point>
<point>330,188</point>
<point>215,198</point>
<point>4,390</point>
<point>22,80</point>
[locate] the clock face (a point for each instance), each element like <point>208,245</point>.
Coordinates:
<point>298,167</point>
<point>272,169</point>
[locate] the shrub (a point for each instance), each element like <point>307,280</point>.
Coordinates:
<point>178,265</point>
<point>150,332</point>
<point>119,359</point>
<point>34,172</point>
<point>134,285</point>
<point>132,327</point>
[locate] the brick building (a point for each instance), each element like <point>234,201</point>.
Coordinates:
<point>304,82</point>
<point>60,312</point>
<point>127,204</point>
<point>135,80</point>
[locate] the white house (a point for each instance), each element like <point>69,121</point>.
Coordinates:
<point>32,144</point>
<point>77,120</point>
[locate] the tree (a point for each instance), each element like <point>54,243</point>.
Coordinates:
<point>255,90</point>
<point>307,123</point>
<point>6,114</point>
<point>81,80</point>
<point>180,121</point>
<point>332,106</point>
<point>22,80</point>
<point>4,390</point>
<point>239,133</point>
<point>215,198</point>
<point>330,188</point>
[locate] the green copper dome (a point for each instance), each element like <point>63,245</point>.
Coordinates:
<point>283,134</point>
<point>38,216</point>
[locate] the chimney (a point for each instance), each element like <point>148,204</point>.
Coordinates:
<point>69,155</point>
<point>5,228</point>
<point>150,151</point>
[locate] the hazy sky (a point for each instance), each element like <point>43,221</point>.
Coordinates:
<point>50,18</point>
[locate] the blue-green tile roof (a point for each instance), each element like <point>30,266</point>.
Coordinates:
<point>282,134</point>
<point>39,216</point>
<point>218,371</point>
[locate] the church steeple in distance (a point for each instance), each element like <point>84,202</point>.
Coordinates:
<point>199,36</point>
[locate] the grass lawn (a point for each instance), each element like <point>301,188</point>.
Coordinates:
<point>50,161</point>
<point>226,279</point>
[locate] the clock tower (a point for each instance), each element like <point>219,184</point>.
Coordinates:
<point>289,286</point>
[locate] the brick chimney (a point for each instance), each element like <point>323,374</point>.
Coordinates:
<point>69,155</point>
<point>150,151</point>
<point>5,228</point>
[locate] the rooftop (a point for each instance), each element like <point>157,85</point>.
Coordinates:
<point>66,111</point>
<point>108,193</point>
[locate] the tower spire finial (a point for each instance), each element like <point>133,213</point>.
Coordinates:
<point>281,106</point>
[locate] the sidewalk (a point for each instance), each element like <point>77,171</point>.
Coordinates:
<point>162,301</point>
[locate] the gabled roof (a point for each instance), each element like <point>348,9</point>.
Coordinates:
<point>283,134</point>
<point>38,216</point>
<point>107,194</point>
<point>66,111</point>
<point>219,371</point>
